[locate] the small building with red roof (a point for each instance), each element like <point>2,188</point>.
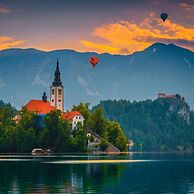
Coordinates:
<point>74,117</point>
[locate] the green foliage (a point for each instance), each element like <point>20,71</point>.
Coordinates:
<point>110,131</point>
<point>96,122</point>
<point>7,126</point>
<point>80,140</point>
<point>25,139</point>
<point>20,138</point>
<point>7,112</point>
<point>7,139</point>
<point>56,132</point>
<point>116,135</point>
<point>103,145</point>
<point>28,119</point>
<point>150,125</point>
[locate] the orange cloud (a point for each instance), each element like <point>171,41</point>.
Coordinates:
<point>99,47</point>
<point>4,10</point>
<point>129,36</point>
<point>8,42</point>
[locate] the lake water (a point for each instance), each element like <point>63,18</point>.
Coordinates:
<point>128,173</point>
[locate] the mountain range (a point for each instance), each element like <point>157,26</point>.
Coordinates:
<point>26,73</point>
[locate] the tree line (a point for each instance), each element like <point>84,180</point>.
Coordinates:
<point>151,125</point>
<point>54,132</point>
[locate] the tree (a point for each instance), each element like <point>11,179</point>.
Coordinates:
<point>28,119</point>
<point>96,122</point>
<point>26,139</point>
<point>80,141</point>
<point>56,134</point>
<point>116,135</point>
<point>8,139</point>
<point>7,112</point>
<point>103,145</point>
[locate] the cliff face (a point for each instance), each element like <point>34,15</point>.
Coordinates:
<point>176,105</point>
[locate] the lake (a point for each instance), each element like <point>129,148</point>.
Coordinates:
<point>133,173</point>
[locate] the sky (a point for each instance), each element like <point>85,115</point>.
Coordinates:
<point>102,26</point>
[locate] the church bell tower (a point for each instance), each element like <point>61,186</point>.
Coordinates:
<point>57,91</point>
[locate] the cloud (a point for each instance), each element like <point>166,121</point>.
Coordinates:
<point>82,81</point>
<point>9,42</point>
<point>99,47</point>
<point>37,78</point>
<point>187,7</point>
<point>85,84</point>
<point>91,93</point>
<point>124,51</point>
<point>4,10</point>
<point>127,37</point>
<point>39,81</point>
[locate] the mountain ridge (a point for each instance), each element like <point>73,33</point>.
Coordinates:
<point>26,73</point>
<point>152,45</point>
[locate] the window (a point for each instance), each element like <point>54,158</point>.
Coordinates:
<point>52,100</point>
<point>80,118</point>
<point>59,100</point>
<point>76,117</point>
<point>53,91</point>
<point>59,91</point>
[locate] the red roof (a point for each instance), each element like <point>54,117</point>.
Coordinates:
<point>70,115</point>
<point>163,95</point>
<point>39,106</point>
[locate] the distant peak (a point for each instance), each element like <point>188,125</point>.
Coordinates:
<point>159,44</point>
<point>21,50</point>
<point>164,47</point>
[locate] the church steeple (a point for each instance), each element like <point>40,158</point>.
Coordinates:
<point>57,77</point>
<point>57,65</point>
<point>44,97</point>
<point>57,90</point>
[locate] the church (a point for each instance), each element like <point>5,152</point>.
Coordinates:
<point>56,102</point>
<point>43,107</point>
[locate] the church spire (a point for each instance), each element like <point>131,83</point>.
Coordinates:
<point>44,97</point>
<point>57,68</point>
<point>57,77</point>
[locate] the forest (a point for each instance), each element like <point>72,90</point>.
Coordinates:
<point>152,125</point>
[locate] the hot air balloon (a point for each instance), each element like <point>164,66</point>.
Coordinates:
<point>164,16</point>
<point>94,61</point>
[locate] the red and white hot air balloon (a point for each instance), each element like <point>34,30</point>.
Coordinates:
<point>94,61</point>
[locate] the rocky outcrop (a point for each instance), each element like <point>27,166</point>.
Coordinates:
<point>176,105</point>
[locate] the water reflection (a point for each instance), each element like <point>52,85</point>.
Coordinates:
<point>176,176</point>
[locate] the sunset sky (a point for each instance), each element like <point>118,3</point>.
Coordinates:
<point>113,26</point>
